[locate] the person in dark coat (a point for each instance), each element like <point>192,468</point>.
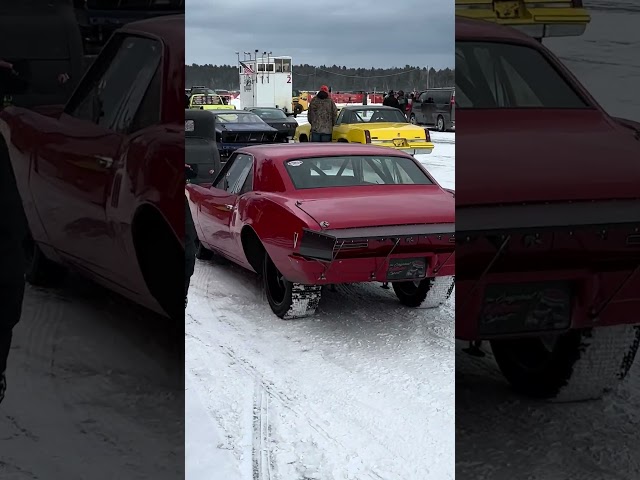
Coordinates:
<point>391,101</point>
<point>402,102</point>
<point>190,239</point>
<point>13,231</point>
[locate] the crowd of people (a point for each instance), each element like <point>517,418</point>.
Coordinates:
<point>323,111</point>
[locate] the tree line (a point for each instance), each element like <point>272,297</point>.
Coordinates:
<point>339,78</point>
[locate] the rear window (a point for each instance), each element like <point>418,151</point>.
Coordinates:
<point>352,171</point>
<point>271,113</point>
<point>496,75</point>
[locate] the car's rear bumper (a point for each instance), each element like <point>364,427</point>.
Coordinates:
<point>366,269</point>
<point>412,149</point>
<point>591,248</point>
<point>364,254</point>
<point>591,289</point>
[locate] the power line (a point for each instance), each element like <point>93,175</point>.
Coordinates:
<point>357,76</point>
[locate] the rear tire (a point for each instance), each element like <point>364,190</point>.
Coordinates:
<point>412,119</point>
<point>427,293</point>
<point>303,138</point>
<point>298,109</point>
<point>441,125</point>
<point>580,365</point>
<point>288,300</point>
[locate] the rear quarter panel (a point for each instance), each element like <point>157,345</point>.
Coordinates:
<point>275,219</point>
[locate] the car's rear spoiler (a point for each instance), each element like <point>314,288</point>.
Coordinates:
<point>508,219</point>
<point>321,245</point>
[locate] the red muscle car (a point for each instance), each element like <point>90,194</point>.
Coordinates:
<point>547,219</point>
<point>308,215</point>
<point>101,177</point>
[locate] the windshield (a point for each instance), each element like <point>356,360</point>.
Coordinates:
<point>497,75</point>
<point>207,100</point>
<point>272,113</point>
<point>351,171</point>
<point>204,90</point>
<point>371,115</point>
<point>238,117</point>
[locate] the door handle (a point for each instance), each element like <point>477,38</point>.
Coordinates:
<point>229,207</point>
<point>104,162</point>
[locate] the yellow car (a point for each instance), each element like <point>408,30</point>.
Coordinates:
<point>536,18</point>
<point>202,101</point>
<point>376,125</point>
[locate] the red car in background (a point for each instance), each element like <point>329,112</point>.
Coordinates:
<point>102,177</point>
<point>309,215</point>
<point>547,219</point>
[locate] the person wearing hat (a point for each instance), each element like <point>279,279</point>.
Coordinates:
<point>322,116</point>
<point>391,100</point>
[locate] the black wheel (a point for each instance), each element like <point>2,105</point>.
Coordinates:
<point>427,293</point>
<point>412,119</point>
<point>298,109</point>
<point>286,299</point>
<point>303,138</point>
<point>441,125</point>
<point>574,366</point>
<point>39,270</point>
<point>202,253</point>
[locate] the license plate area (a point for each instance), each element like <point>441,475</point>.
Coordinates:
<point>399,142</point>
<point>526,308</point>
<point>406,269</point>
<point>508,10</point>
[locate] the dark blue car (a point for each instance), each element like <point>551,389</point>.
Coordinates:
<point>239,128</point>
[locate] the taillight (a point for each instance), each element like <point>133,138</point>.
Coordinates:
<point>453,99</point>
<point>367,136</point>
<point>428,135</point>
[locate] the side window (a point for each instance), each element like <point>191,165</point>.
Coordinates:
<point>149,111</point>
<point>423,97</point>
<point>115,86</point>
<point>248,183</point>
<point>231,178</point>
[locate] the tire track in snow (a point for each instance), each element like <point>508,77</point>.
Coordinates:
<point>267,388</point>
<point>262,462</point>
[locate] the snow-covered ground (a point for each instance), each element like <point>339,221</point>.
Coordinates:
<point>362,390</point>
<point>501,436</point>
<point>95,390</point>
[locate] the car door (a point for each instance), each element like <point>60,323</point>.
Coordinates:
<point>341,129</point>
<point>428,108</point>
<point>216,210</point>
<point>76,164</point>
<point>418,108</point>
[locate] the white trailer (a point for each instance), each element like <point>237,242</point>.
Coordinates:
<point>266,82</point>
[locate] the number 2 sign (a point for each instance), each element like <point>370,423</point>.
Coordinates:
<point>289,78</point>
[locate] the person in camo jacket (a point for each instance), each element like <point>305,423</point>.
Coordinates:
<point>322,116</point>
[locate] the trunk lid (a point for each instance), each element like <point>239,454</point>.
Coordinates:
<point>380,206</point>
<point>547,155</point>
<point>389,131</point>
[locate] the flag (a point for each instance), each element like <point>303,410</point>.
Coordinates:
<point>247,70</point>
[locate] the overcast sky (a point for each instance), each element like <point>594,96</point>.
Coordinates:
<point>340,32</point>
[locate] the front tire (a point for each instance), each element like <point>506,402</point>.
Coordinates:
<point>412,119</point>
<point>575,366</point>
<point>427,293</point>
<point>288,300</point>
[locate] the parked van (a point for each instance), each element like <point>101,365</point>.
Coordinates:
<point>435,107</point>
